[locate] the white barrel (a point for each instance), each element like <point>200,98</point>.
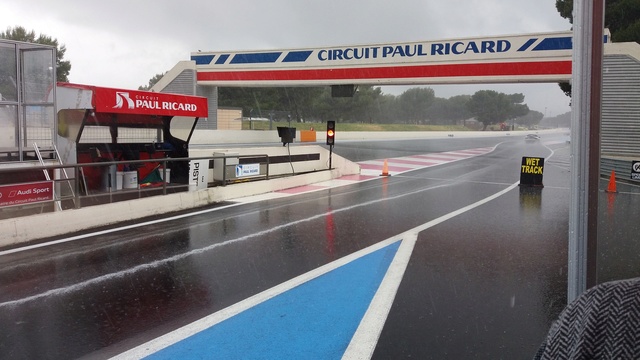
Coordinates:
<point>119,179</point>
<point>168,172</point>
<point>130,179</point>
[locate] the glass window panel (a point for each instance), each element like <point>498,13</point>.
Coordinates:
<point>39,126</point>
<point>8,85</point>
<point>8,124</point>
<point>38,75</point>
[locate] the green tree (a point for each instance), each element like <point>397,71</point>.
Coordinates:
<point>491,107</point>
<point>18,33</point>
<point>516,106</point>
<point>385,109</point>
<point>449,111</point>
<point>531,119</point>
<point>458,107</point>
<point>621,17</point>
<point>414,104</point>
<point>364,104</point>
<point>154,80</point>
<point>341,109</point>
<point>298,102</point>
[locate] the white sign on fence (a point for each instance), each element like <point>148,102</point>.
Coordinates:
<point>247,170</point>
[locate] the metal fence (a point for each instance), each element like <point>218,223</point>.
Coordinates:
<point>70,189</point>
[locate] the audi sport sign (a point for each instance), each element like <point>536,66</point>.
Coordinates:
<point>21,194</point>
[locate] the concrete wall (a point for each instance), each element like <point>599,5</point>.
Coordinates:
<point>24,229</point>
<point>276,169</point>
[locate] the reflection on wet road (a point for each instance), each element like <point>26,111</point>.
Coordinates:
<point>483,283</point>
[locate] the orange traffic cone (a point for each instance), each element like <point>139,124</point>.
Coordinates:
<point>612,182</point>
<point>385,169</point>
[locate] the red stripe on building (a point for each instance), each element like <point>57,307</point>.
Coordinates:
<point>394,72</point>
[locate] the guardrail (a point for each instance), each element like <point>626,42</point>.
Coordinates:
<point>72,191</point>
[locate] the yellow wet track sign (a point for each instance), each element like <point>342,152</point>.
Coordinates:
<point>531,171</point>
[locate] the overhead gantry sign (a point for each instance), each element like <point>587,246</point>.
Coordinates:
<point>517,58</point>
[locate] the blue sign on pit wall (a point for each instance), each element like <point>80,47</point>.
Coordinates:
<point>247,170</point>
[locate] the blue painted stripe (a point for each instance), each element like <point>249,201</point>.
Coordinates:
<point>222,59</point>
<point>558,43</point>
<point>256,58</point>
<point>527,44</point>
<point>315,320</point>
<point>297,56</point>
<point>202,59</point>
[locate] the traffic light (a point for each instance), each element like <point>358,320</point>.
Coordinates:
<point>331,132</point>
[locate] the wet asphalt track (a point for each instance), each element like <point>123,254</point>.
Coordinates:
<point>483,284</point>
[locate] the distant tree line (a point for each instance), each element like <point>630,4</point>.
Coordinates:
<point>558,121</point>
<point>621,17</point>
<point>369,105</point>
<point>18,33</point>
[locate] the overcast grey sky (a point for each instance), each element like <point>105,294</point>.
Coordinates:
<point>123,44</point>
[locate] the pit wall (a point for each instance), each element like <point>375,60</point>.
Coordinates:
<point>295,166</point>
<point>28,228</point>
<point>25,229</point>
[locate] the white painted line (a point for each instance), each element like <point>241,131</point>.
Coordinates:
<point>405,165</point>
<point>337,183</point>
<point>366,337</point>
<point>108,231</point>
<point>378,162</point>
<point>364,341</point>
<point>367,334</point>
<point>372,172</point>
<point>219,316</point>
<point>445,156</point>
<point>163,262</point>
<point>433,161</point>
<point>249,199</point>
<point>267,196</point>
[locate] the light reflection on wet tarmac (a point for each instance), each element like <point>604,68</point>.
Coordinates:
<point>497,276</point>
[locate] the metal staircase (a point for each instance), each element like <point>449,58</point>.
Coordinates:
<point>63,177</point>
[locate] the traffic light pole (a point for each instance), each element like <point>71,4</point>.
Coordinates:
<point>331,136</point>
<point>330,155</point>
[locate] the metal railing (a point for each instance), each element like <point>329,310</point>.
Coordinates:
<point>79,192</point>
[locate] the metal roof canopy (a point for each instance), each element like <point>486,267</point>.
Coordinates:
<point>543,57</point>
<point>125,108</point>
<point>130,102</point>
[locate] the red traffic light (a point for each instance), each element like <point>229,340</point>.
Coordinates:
<point>331,132</point>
